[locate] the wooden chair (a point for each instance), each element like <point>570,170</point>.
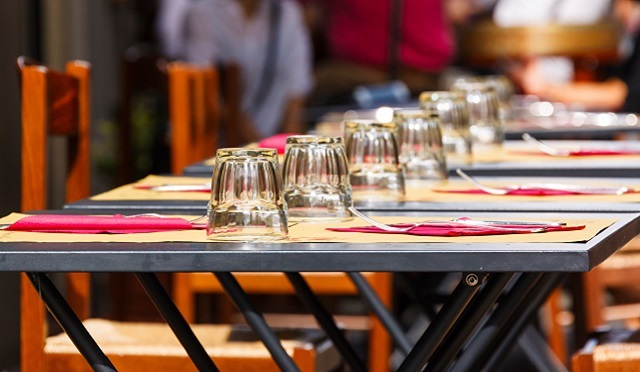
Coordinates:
<point>619,273</point>
<point>195,112</point>
<point>53,103</point>
<point>609,350</point>
<point>56,103</point>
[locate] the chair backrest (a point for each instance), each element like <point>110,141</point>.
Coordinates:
<point>53,103</point>
<point>194,111</point>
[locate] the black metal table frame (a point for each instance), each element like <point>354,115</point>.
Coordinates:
<point>467,307</point>
<point>500,299</point>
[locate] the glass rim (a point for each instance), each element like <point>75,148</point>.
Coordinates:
<point>243,152</point>
<point>437,95</point>
<point>471,86</point>
<point>312,139</point>
<point>413,113</point>
<point>368,124</point>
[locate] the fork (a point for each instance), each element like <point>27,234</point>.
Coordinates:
<point>463,221</point>
<point>544,147</point>
<point>578,189</point>
<point>378,224</point>
<point>483,187</point>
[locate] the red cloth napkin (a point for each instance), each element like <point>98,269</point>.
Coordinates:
<point>521,192</point>
<point>277,141</point>
<point>587,152</point>
<point>459,229</point>
<point>83,224</point>
<point>583,152</point>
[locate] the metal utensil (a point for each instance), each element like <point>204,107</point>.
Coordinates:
<point>578,189</point>
<point>544,147</point>
<point>531,226</point>
<point>182,187</point>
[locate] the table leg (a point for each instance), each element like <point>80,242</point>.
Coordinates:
<point>256,321</point>
<point>506,309</point>
<point>70,323</point>
<point>176,321</point>
<point>381,311</point>
<point>442,324</point>
<point>525,312</point>
<point>324,318</point>
<point>467,323</point>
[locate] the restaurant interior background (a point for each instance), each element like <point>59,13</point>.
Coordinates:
<point>55,31</point>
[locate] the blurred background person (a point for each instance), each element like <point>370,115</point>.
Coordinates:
<point>269,41</point>
<point>171,27</point>
<point>616,90</point>
<point>377,41</point>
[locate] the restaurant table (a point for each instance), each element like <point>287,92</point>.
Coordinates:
<point>513,272</point>
<point>517,158</point>
<point>420,196</point>
<point>543,119</point>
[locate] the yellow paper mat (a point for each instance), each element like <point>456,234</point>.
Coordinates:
<point>317,233</point>
<point>525,154</point>
<point>416,191</point>
<point>421,191</point>
<point>130,192</point>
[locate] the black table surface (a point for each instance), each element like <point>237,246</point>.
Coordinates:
<point>504,204</point>
<point>330,256</point>
<point>558,167</point>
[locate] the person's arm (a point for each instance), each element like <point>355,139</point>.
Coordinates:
<point>592,95</point>
<point>606,95</point>
<point>298,78</point>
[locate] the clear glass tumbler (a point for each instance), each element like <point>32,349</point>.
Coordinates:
<point>487,128</point>
<point>420,140</point>
<point>452,111</point>
<point>504,89</point>
<point>373,157</point>
<point>316,178</point>
<point>247,202</point>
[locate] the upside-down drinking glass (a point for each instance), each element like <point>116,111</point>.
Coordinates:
<point>420,140</point>
<point>316,178</point>
<point>451,108</point>
<point>373,156</point>
<point>246,196</point>
<point>487,128</point>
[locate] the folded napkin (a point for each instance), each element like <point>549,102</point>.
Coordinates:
<point>521,192</point>
<point>83,224</point>
<point>176,187</point>
<point>587,152</point>
<point>277,141</point>
<point>460,229</point>
<point>580,152</point>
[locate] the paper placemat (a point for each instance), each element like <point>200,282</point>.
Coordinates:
<point>317,233</point>
<point>416,191</point>
<point>131,192</point>
<point>422,191</point>
<point>525,154</point>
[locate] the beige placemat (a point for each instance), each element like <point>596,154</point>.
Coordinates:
<point>419,191</point>
<point>416,191</point>
<point>130,192</point>
<point>316,232</point>
<point>512,155</point>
